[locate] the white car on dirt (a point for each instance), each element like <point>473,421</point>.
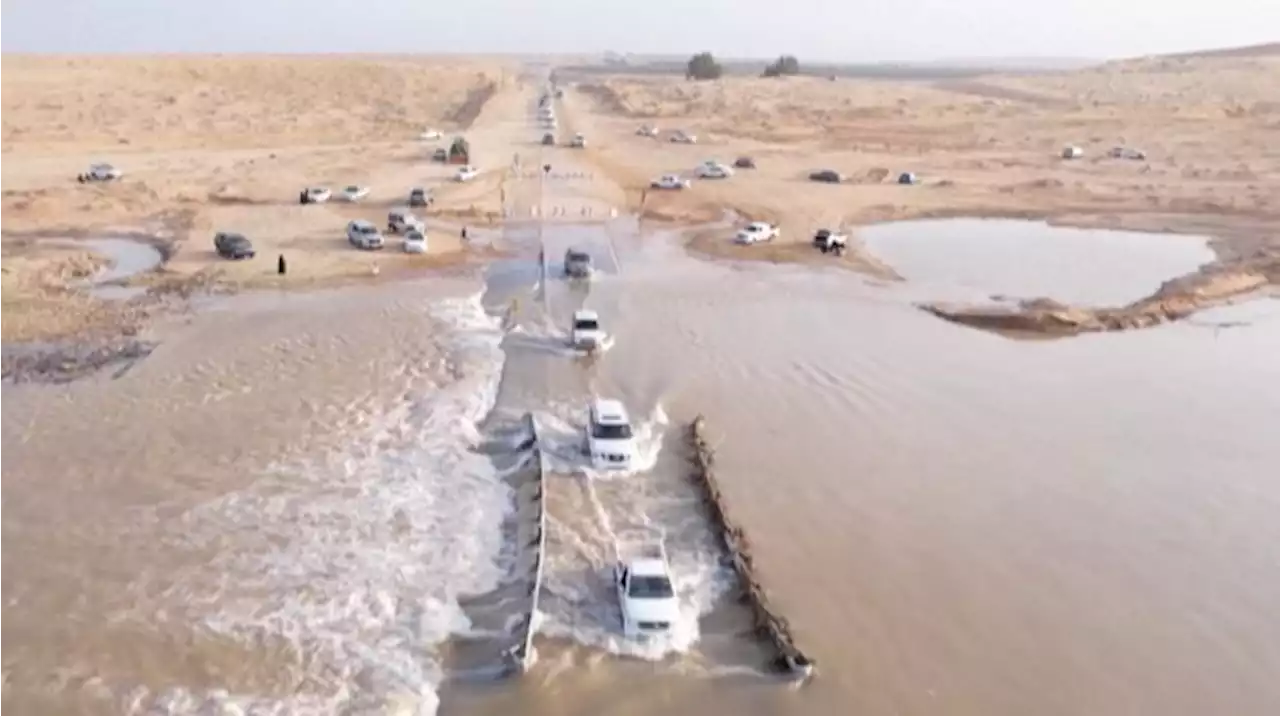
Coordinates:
<point>364,235</point>
<point>400,222</point>
<point>415,242</point>
<point>829,241</point>
<point>314,195</point>
<point>586,333</point>
<point>714,170</point>
<point>466,174</point>
<point>611,442</point>
<point>670,182</point>
<point>430,134</point>
<point>646,590</point>
<point>647,131</point>
<point>579,141</point>
<point>355,193</point>
<point>683,138</point>
<point>756,232</point>
<point>100,172</point>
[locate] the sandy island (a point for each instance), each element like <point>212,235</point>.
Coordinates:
<point>225,143</point>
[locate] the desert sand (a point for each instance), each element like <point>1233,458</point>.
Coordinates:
<point>986,147</point>
<point>226,143</point>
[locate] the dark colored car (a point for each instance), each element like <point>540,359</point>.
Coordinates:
<point>549,139</point>
<point>232,246</point>
<point>828,176</point>
<point>745,163</point>
<point>440,155</point>
<point>420,197</point>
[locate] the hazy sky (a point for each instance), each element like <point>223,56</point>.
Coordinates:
<point>852,30</point>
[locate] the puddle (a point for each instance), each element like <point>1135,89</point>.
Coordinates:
<point>128,258</point>
<point>985,260</point>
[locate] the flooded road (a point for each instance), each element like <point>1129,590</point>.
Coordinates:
<point>284,506</point>
<point>954,521</point>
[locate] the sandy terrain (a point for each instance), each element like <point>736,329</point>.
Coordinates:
<point>226,143</point>
<point>988,147</point>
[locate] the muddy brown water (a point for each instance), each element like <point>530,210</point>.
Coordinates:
<point>280,510</point>
<point>977,259</point>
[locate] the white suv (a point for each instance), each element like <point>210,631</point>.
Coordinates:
<point>610,440</point>
<point>364,235</point>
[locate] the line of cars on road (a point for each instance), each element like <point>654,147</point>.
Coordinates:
<point>642,576</point>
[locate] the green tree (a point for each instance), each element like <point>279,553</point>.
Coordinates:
<point>703,66</point>
<point>785,65</point>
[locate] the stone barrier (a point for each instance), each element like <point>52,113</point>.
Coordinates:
<point>771,626</point>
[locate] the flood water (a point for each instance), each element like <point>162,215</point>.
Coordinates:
<point>975,259</point>
<point>128,258</point>
<point>285,508</point>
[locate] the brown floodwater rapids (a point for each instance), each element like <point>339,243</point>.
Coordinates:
<point>292,505</point>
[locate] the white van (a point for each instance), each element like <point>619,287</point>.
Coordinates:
<point>611,442</point>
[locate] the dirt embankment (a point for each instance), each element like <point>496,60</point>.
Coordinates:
<point>465,114</point>
<point>1175,300</point>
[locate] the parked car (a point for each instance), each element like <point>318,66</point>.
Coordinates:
<point>440,155</point>
<point>713,170</point>
<point>355,193</point>
<point>364,235</point>
<point>100,172</point>
<point>314,195</point>
<point>1127,153</point>
<point>745,163</point>
<point>670,181</point>
<point>400,222</point>
<point>578,142</point>
<point>466,174</point>
<point>415,242</point>
<point>431,134</point>
<point>1072,152</point>
<point>681,137</point>
<point>907,178</point>
<point>419,196</point>
<point>647,131</point>
<point>548,139</point>
<point>756,232</point>
<point>827,176</point>
<point>232,246</point>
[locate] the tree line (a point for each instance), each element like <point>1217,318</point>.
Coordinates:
<point>703,66</point>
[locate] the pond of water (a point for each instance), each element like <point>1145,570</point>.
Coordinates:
<point>977,260</point>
